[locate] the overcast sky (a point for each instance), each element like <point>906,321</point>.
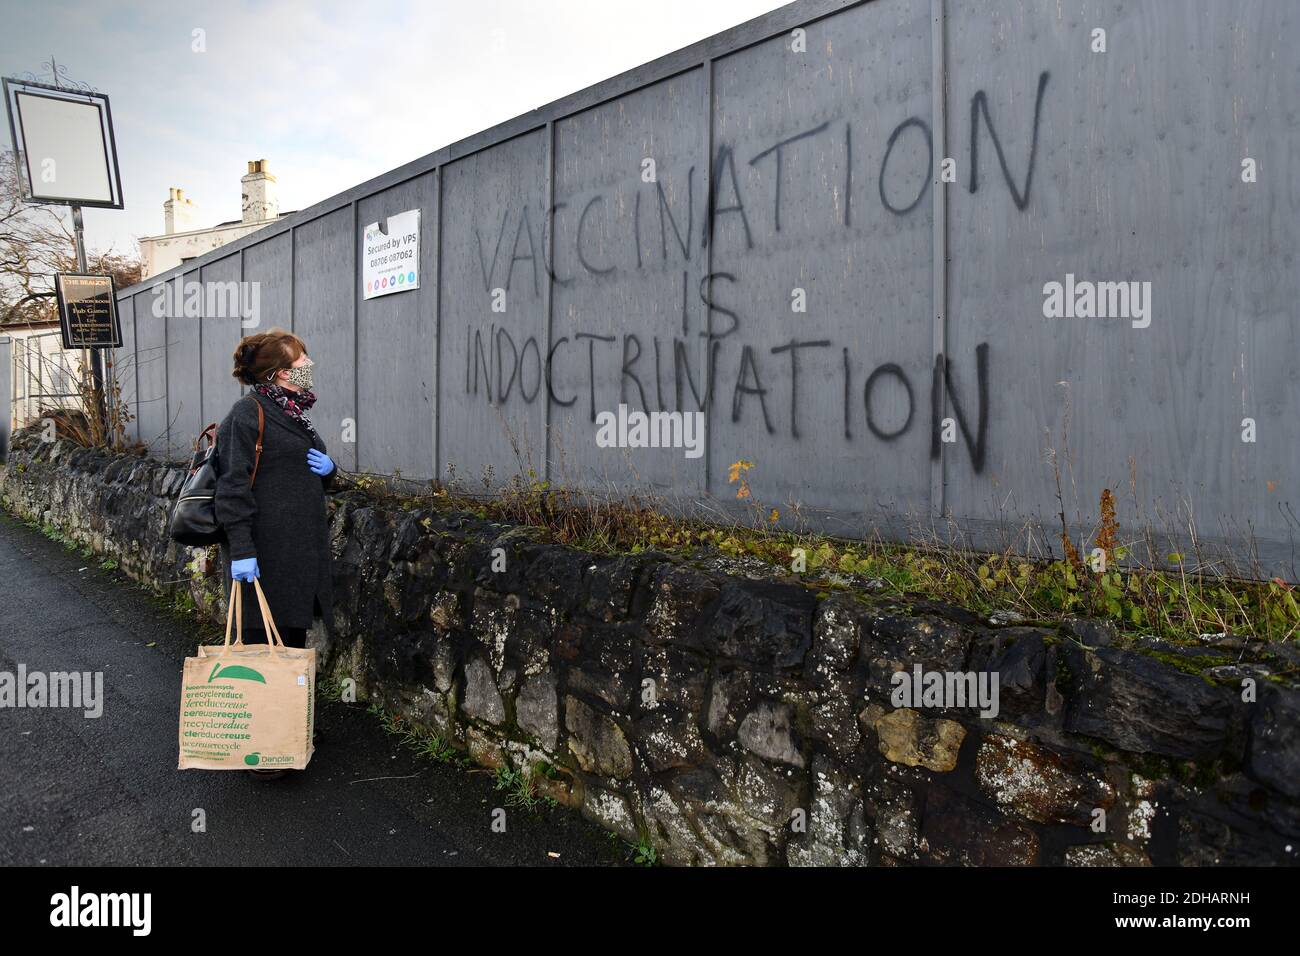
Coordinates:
<point>331,93</point>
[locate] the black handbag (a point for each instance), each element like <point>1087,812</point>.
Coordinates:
<point>194,516</point>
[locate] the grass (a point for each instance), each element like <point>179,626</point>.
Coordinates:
<point>424,743</point>
<point>1178,602</point>
<point>521,788</point>
<point>328,687</point>
<point>520,785</point>
<point>1135,587</point>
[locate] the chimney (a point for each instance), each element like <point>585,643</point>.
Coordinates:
<point>260,201</point>
<point>178,212</point>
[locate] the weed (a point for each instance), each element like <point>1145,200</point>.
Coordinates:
<point>1176,604</point>
<point>437,748</point>
<point>424,743</point>
<point>521,787</point>
<point>643,851</point>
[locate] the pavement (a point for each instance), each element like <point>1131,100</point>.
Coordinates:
<point>86,791</point>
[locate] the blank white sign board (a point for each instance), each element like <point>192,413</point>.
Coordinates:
<point>67,149</point>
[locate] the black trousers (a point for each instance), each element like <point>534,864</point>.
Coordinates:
<point>292,636</point>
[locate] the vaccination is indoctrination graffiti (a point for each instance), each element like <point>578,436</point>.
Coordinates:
<point>926,264</point>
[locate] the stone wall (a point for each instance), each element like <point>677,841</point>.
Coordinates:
<point>731,716</point>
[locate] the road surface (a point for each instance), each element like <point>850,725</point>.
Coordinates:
<point>106,791</point>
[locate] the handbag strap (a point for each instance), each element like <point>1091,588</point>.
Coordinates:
<point>209,435</point>
<point>261,427</point>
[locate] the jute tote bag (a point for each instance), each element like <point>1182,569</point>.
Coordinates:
<point>248,705</point>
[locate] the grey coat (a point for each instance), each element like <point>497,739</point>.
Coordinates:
<point>281,521</point>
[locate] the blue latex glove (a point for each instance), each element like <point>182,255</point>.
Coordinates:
<point>319,462</point>
<point>245,569</point>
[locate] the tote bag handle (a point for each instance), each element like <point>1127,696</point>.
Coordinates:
<point>235,616</point>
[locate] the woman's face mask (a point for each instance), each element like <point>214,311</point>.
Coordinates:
<point>301,376</point>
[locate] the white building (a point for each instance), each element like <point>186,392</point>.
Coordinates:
<point>183,241</point>
<point>41,373</point>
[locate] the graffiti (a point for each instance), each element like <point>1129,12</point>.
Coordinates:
<point>889,368</point>
<point>726,198</point>
<point>763,383</point>
<point>920,124</point>
<point>979,106</point>
<point>522,231</point>
<point>975,444</point>
<point>496,363</point>
<point>777,151</point>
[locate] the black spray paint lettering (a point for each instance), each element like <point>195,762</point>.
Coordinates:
<point>943,379</point>
<point>979,105</point>
<point>525,365</point>
<point>725,197</point>
<point>778,151</point>
<point>499,361</point>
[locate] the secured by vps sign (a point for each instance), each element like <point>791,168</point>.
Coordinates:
<point>391,255</point>
<point>88,312</point>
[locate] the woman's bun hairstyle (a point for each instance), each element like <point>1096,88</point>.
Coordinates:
<point>257,356</point>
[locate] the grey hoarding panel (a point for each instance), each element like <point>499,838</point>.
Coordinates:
<point>493,204</point>
<point>323,306</point>
<point>124,359</point>
<point>915,173</point>
<point>184,379</point>
<point>1136,177</point>
<point>267,276</point>
<point>151,370</point>
<point>824,156</point>
<point>222,327</point>
<point>6,393</point>
<point>397,347</point>
<point>628,260</point>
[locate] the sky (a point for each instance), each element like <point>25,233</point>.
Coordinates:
<point>331,93</point>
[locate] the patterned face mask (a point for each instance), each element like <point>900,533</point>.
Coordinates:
<point>301,376</point>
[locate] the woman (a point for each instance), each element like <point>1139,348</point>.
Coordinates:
<point>276,529</point>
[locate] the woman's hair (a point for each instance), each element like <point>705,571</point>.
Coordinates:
<point>259,355</point>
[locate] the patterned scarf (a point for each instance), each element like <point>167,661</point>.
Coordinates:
<point>294,403</point>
